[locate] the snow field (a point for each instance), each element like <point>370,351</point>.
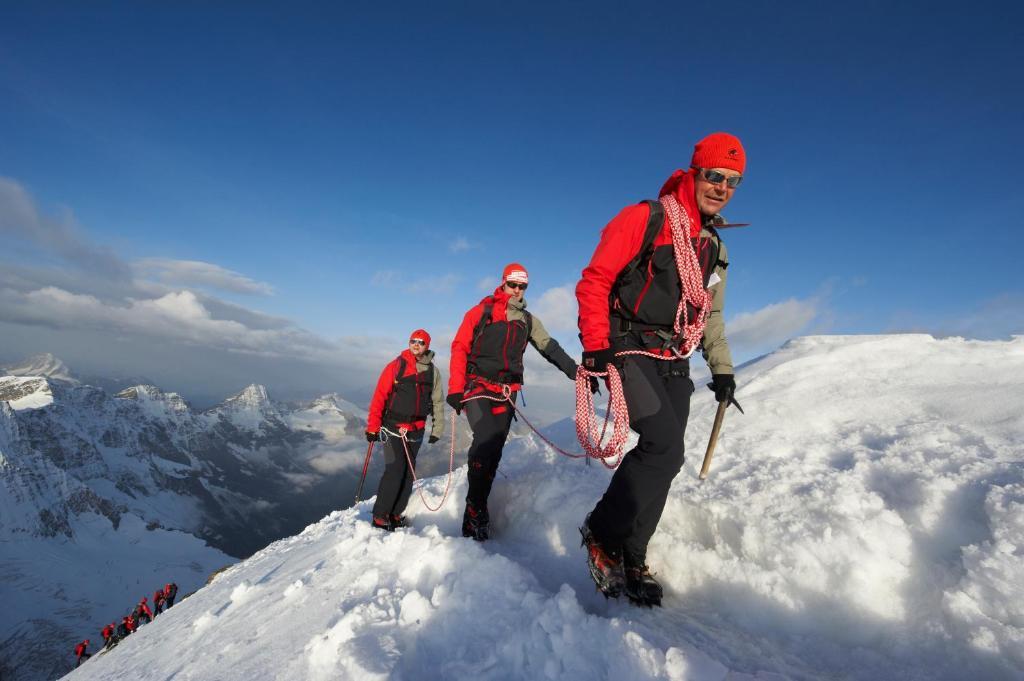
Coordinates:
<point>862,521</point>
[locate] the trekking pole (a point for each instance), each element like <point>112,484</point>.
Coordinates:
<point>719,417</point>
<point>366,464</point>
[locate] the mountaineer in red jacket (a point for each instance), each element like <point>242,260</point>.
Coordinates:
<point>170,593</point>
<point>646,291</point>
<point>80,652</point>
<point>158,602</point>
<point>409,389</point>
<point>108,635</point>
<point>487,359</point>
<point>143,614</point>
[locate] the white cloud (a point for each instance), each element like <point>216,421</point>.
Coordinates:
<point>751,332</point>
<point>444,283</point>
<point>19,218</point>
<point>385,278</point>
<point>106,317</point>
<point>460,244</point>
<point>197,273</point>
<point>557,308</point>
<point>487,284</point>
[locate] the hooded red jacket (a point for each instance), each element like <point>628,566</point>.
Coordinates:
<point>385,384</point>
<point>620,241</point>
<point>462,344</point>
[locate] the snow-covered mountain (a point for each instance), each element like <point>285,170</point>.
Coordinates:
<point>863,520</point>
<point>104,497</point>
<point>43,364</point>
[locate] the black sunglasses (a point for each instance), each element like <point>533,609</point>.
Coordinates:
<point>417,341</point>
<point>515,284</point>
<point>715,177</point>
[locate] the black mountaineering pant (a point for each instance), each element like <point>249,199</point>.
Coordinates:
<point>396,482</point>
<point>490,422</point>
<point>658,396</point>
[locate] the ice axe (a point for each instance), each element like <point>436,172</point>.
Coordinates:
<point>366,464</point>
<point>713,440</point>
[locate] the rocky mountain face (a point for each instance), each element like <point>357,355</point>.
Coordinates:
<point>105,496</point>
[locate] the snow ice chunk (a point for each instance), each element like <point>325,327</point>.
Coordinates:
<point>242,593</point>
<point>203,622</point>
<point>414,609</point>
<point>293,589</point>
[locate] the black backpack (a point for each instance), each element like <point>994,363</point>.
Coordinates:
<point>655,221</point>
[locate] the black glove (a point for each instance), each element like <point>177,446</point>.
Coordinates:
<point>723,385</point>
<point>598,360</point>
<point>454,400</point>
<point>373,437</point>
<point>595,386</point>
<point>432,439</point>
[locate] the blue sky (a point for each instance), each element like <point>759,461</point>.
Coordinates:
<point>349,173</point>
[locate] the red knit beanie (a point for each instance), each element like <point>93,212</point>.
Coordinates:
<point>420,333</point>
<point>719,150</point>
<point>515,272</point>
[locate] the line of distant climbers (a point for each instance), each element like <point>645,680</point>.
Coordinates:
<point>140,615</point>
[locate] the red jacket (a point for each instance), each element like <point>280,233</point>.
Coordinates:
<point>145,608</point>
<point>108,631</point>
<point>80,648</point>
<point>384,386</point>
<point>158,597</point>
<point>463,341</point>
<point>620,241</point>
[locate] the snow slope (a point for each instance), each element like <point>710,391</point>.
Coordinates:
<point>862,521</point>
<point>103,498</point>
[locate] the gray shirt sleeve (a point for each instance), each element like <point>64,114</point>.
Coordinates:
<point>437,397</point>
<point>715,346</point>
<point>550,350</point>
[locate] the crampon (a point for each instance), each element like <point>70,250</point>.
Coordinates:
<point>476,523</point>
<point>605,570</point>
<point>641,586</point>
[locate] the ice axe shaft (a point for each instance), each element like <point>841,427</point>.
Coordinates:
<point>713,440</point>
<point>366,464</point>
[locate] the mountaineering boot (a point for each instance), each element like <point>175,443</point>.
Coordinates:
<point>475,522</point>
<point>641,586</point>
<point>605,566</point>
<point>382,522</point>
<point>398,521</point>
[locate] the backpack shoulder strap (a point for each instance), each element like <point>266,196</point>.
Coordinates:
<point>401,368</point>
<point>485,319</point>
<point>655,221</point>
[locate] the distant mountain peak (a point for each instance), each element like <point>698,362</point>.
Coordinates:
<point>254,395</point>
<point>43,364</point>
<point>151,393</point>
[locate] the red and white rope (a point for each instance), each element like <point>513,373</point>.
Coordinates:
<point>412,469</point>
<point>584,405</point>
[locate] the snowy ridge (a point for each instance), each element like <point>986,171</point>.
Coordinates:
<point>26,392</point>
<point>863,521</point>
<point>43,364</point>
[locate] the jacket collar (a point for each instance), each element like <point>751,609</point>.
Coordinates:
<point>424,360</point>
